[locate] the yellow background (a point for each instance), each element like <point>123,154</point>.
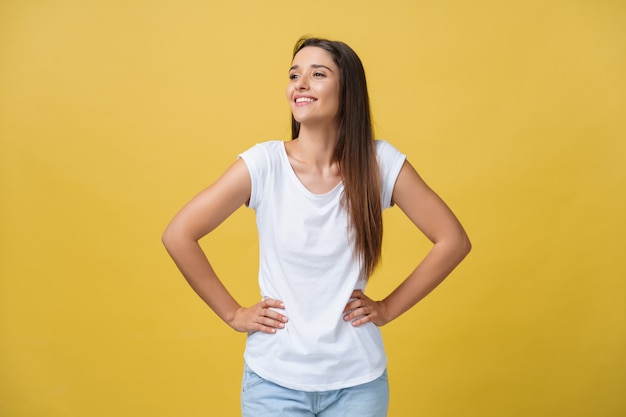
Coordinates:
<point>114,113</point>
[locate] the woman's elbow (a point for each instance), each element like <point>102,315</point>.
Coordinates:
<point>464,245</point>
<point>170,238</point>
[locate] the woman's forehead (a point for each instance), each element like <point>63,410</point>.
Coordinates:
<point>313,55</point>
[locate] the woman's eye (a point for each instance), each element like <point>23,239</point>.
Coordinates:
<point>293,76</point>
<point>319,74</point>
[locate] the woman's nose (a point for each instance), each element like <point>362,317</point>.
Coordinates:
<point>301,84</point>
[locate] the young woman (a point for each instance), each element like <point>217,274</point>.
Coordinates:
<point>313,345</point>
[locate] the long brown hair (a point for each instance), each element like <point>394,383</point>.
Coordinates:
<point>355,152</point>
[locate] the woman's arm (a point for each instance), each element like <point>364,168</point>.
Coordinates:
<point>433,217</point>
<point>196,219</point>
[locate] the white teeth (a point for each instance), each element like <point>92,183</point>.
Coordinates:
<point>305,100</point>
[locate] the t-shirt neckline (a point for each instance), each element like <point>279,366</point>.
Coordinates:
<point>299,183</point>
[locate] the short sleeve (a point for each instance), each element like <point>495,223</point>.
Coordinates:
<point>390,161</point>
<point>257,161</point>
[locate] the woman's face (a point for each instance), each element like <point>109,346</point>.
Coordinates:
<point>313,90</point>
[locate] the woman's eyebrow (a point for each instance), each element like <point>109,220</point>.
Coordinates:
<point>295,67</point>
<point>321,66</point>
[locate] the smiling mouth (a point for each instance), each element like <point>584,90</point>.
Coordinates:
<point>302,100</point>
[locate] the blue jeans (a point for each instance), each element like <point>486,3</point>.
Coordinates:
<point>261,398</point>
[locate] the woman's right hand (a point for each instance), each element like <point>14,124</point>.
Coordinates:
<point>260,317</point>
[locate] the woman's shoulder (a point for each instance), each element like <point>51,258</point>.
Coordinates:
<point>270,149</point>
<point>264,154</point>
<point>267,147</point>
<point>385,149</point>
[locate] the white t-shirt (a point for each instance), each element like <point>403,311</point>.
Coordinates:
<point>306,261</point>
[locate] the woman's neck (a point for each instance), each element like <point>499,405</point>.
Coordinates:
<point>316,146</point>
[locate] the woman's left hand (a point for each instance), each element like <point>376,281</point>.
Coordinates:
<point>361,309</point>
